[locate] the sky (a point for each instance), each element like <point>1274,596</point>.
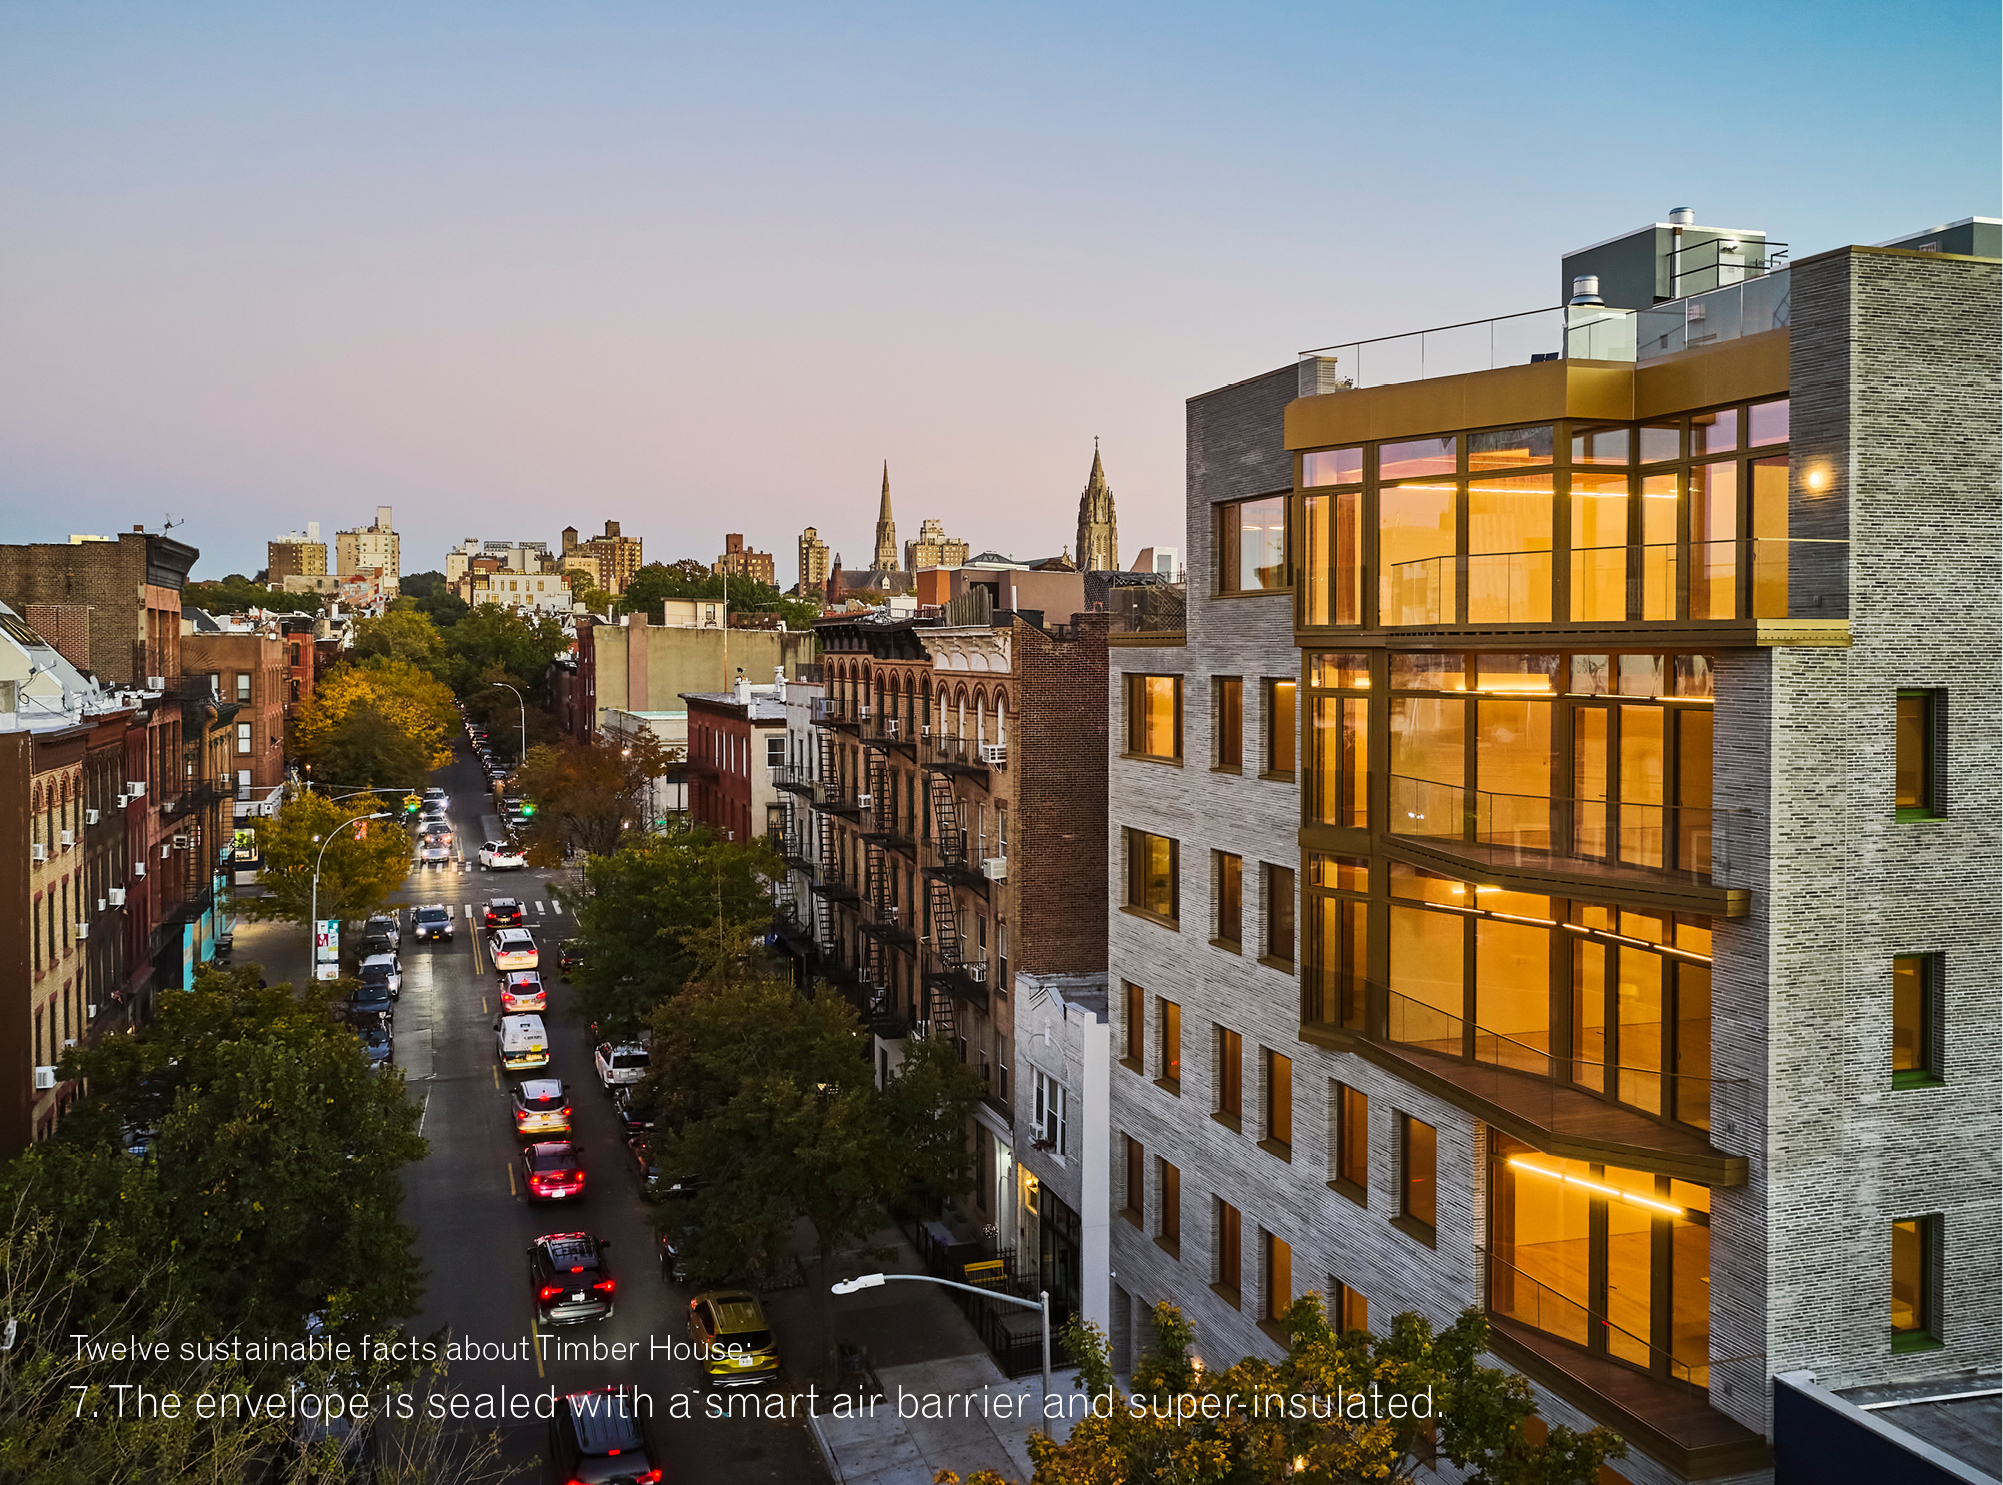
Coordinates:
<point>697,269</point>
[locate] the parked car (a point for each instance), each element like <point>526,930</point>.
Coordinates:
<point>553,1171</point>
<point>729,1329</point>
<point>521,1042</point>
<point>433,921</point>
<point>569,956</point>
<point>541,1106</point>
<point>635,1117</point>
<point>385,970</point>
<point>435,850</point>
<point>571,1278</point>
<point>388,921</point>
<point>377,1042</point>
<point>500,855</point>
<point>619,1063</point>
<point>672,1247</point>
<point>504,912</point>
<point>376,943</point>
<point>522,990</point>
<point>640,1160</point>
<point>369,997</point>
<point>604,1435</point>
<point>513,948</point>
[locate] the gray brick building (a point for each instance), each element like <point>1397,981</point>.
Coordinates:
<point>1555,867</point>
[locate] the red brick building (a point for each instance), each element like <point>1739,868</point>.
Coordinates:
<point>737,742</point>
<point>253,671</point>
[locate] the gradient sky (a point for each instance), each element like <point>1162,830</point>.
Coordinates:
<point>507,267</point>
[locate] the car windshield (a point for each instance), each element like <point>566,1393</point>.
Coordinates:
<point>375,973</point>
<point>433,915</point>
<point>573,1253</point>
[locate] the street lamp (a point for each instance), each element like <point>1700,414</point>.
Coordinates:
<point>331,836</point>
<point>1041,1302</point>
<point>525,716</point>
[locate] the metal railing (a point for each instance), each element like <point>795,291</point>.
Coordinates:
<point>1160,610</point>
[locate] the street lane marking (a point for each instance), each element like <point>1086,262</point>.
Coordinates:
<point>497,1088</point>
<point>538,1335</point>
<point>541,907</point>
<point>511,1186</point>
<point>423,1109</point>
<point>483,1006</point>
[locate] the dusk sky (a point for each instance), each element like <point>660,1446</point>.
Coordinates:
<point>696,269</point>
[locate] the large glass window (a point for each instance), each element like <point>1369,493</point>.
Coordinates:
<point>1396,461</point>
<point>1416,539</point>
<point>1332,563</point>
<point>1659,501</point>
<point>1509,549</point>
<point>1332,467</point>
<point>1229,743</point>
<point>1339,741</point>
<point>1913,783</point>
<point>1154,715</point>
<point>1714,547</point>
<point>1152,883</point>
<point>1252,545</point>
<point>1770,541</point>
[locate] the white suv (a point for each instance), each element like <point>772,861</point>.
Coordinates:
<point>619,1065</point>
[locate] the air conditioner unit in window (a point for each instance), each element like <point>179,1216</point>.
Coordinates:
<point>181,842</point>
<point>38,852</point>
<point>137,789</point>
<point>890,728</point>
<point>69,839</point>
<point>83,931</point>
<point>978,973</point>
<point>116,896</point>
<point>91,817</point>
<point>100,904</point>
<point>45,1077</point>
<point>862,801</point>
<point>156,683</point>
<point>994,754</point>
<point>995,868</point>
<point>139,868</point>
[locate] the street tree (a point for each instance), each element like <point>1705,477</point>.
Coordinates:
<point>493,642</point>
<point>687,579</point>
<point>404,633</point>
<point>267,1182</point>
<point>1322,1415</point>
<point>644,908</point>
<point>415,702</point>
<point>427,593</point>
<point>588,796</point>
<point>359,867</point>
<point>771,1101</point>
<point>237,594</point>
<point>367,749</point>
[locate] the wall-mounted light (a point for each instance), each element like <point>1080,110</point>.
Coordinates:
<point>1816,479</point>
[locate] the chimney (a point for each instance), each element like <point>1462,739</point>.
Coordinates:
<point>312,530</point>
<point>741,692</point>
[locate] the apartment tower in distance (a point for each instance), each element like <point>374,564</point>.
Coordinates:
<point>609,560</point>
<point>738,560</point>
<point>813,563</point>
<point>1098,529</point>
<point>367,547</point>
<point>1556,870</point>
<point>295,554</point>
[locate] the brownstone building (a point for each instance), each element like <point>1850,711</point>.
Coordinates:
<point>738,560</point>
<point>251,670</point>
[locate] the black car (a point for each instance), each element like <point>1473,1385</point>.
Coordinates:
<point>434,922</point>
<point>571,1278</point>
<point>569,956</point>
<point>602,1437</point>
<point>377,942</point>
<point>640,1160</point>
<point>368,998</point>
<point>636,1116</point>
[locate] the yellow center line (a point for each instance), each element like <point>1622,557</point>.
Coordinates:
<point>511,1180</point>
<point>497,1084</point>
<point>538,1337</point>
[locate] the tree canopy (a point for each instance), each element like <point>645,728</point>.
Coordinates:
<point>645,907</point>
<point>406,634</point>
<point>688,579</point>
<point>588,796</point>
<point>426,593</point>
<point>408,697</point>
<point>1322,1415</point>
<point>770,1098</point>
<point>494,643</point>
<point>237,594</point>
<point>357,874</point>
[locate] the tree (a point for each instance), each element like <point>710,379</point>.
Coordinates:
<point>587,795</point>
<point>357,873</point>
<point>646,905</point>
<point>688,579</point>
<point>495,643</point>
<point>770,1097</point>
<point>238,594</point>
<point>405,634</point>
<point>367,748</point>
<point>410,698</point>
<point>1321,1415</point>
<point>269,1185</point>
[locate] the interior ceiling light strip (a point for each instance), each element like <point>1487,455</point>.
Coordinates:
<point>1614,1191</point>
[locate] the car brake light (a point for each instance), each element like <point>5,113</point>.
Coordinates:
<point>548,1293</point>
<point>652,1477</point>
<point>604,1286</point>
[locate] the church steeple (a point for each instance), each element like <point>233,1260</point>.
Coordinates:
<point>1098,529</point>
<point>886,530</point>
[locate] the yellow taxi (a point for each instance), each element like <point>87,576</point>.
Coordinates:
<point>733,1343</point>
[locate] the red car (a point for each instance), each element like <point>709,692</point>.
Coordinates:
<point>504,912</point>
<point>553,1171</point>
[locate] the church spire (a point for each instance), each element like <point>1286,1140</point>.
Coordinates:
<point>885,559</point>
<point>1098,529</point>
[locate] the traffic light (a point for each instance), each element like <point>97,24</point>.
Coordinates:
<point>527,808</point>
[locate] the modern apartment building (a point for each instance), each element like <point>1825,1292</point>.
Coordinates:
<point>949,819</point>
<point>1556,865</point>
<point>295,554</point>
<point>364,548</point>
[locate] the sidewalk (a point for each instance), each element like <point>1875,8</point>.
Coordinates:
<point>923,1351</point>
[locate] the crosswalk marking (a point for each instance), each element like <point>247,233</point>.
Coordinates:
<point>541,907</point>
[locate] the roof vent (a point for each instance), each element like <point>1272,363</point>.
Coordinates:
<point>1586,289</point>
<point>1683,216</point>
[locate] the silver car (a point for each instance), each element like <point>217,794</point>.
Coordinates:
<point>436,850</point>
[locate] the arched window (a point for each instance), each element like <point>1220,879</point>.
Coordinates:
<point>1001,719</point>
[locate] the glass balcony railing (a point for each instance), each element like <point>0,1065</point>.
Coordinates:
<point>1567,333</point>
<point>1588,836</point>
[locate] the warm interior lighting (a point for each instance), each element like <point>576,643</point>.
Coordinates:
<point>1614,1191</point>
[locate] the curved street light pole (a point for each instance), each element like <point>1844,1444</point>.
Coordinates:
<point>525,718</point>
<point>332,835</point>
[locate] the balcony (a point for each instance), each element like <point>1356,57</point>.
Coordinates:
<point>885,731</point>
<point>844,713</point>
<point>945,971</point>
<point>196,794</point>
<point>1658,1401</point>
<point>1672,856</point>
<point>793,781</point>
<point>963,757</point>
<point>1758,302</point>
<point>891,924</point>
<point>1537,1096</point>
<point>834,886</point>
<point>833,797</point>
<point>1155,614</point>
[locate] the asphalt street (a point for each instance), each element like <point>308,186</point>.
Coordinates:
<point>474,1225</point>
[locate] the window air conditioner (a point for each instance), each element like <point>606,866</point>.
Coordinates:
<point>139,868</point>
<point>890,728</point>
<point>136,789</point>
<point>100,904</point>
<point>181,842</point>
<point>83,931</point>
<point>38,852</point>
<point>978,973</point>
<point>116,896</point>
<point>69,839</point>
<point>995,754</point>
<point>45,1077</point>
<point>862,801</point>
<point>156,683</point>
<point>165,850</point>
<point>91,817</point>
<point>995,868</point>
